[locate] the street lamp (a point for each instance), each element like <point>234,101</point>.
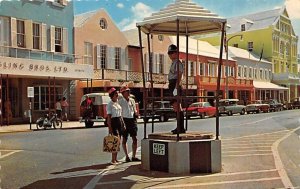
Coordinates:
<point>227,67</point>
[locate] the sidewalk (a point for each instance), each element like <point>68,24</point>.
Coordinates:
<point>26,127</point>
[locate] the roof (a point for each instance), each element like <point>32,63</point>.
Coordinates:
<point>80,19</point>
<point>242,53</point>
<point>133,37</point>
<point>193,19</point>
<point>267,85</point>
<point>255,21</point>
<point>204,48</point>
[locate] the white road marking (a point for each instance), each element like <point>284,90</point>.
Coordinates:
<point>278,163</point>
<point>244,155</point>
<point>251,136</point>
<point>214,183</point>
<point>243,151</point>
<point>245,147</point>
<point>92,184</point>
<point>11,152</point>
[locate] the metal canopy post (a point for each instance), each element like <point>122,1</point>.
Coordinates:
<point>187,78</point>
<point>144,83</point>
<point>178,99</point>
<point>151,78</point>
<point>219,82</point>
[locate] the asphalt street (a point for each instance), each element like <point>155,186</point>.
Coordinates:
<point>73,158</point>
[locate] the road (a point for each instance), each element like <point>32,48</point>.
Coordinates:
<point>256,148</point>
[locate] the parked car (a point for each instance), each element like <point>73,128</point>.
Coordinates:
<point>296,103</point>
<point>274,105</point>
<point>162,110</point>
<point>230,107</point>
<point>201,109</point>
<point>257,106</point>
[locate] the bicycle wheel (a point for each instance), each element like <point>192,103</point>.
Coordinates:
<point>57,124</point>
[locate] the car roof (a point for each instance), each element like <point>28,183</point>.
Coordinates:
<point>225,100</point>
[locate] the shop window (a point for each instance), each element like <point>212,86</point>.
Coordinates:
<point>43,99</point>
<point>20,33</point>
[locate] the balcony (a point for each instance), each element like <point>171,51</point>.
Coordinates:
<point>231,81</point>
<point>13,52</point>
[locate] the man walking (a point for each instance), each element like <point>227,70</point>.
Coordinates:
<point>129,113</point>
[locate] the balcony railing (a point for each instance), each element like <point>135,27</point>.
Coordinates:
<point>16,52</point>
<point>123,75</point>
<point>231,81</point>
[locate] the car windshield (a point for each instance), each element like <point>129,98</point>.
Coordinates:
<point>196,105</point>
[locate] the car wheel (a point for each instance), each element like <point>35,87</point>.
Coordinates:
<point>242,112</point>
<point>229,113</point>
<point>163,118</point>
<point>257,111</point>
<point>202,116</point>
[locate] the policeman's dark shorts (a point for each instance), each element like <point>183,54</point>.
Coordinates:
<point>172,85</point>
<point>116,125</point>
<point>131,127</point>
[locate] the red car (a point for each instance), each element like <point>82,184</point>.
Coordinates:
<point>201,109</point>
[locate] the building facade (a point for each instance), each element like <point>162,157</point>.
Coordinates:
<point>270,34</point>
<point>36,50</point>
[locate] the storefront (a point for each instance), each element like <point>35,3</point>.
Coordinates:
<point>51,81</point>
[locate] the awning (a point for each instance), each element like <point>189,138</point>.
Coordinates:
<point>267,86</point>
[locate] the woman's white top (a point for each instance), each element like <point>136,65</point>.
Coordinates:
<point>114,109</point>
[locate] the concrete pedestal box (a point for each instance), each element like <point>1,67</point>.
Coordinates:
<point>186,156</point>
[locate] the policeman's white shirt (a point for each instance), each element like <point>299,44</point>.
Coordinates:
<point>114,109</point>
<point>128,107</point>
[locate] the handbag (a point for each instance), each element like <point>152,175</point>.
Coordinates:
<point>111,144</point>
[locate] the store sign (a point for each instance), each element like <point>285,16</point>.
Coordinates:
<point>30,92</point>
<point>44,68</point>
<point>159,149</point>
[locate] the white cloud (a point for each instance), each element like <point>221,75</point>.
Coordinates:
<point>293,8</point>
<point>120,5</point>
<point>139,12</point>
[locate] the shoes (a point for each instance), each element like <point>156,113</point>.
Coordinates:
<point>127,159</point>
<point>135,159</point>
<point>175,131</point>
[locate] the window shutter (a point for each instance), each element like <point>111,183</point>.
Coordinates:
<point>98,66</point>
<point>28,34</point>
<point>123,62</point>
<point>52,38</point>
<point>44,37</point>
<point>165,66</point>
<point>65,40</point>
<point>13,26</point>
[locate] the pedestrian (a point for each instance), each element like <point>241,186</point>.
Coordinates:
<point>129,114</point>
<point>58,108</point>
<point>115,122</point>
<point>64,106</point>
<point>175,77</point>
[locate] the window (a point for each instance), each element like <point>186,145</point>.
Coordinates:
<point>103,54</point>
<point>236,45</point>
<point>36,32</point>
<point>255,73</point>
<point>281,48</point>
<point>192,70</point>
<point>266,74</point>
<point>201,70</point>
<point>160,37</point>
<point>261,74</point>
<point>245,72</point>
<point>58,39</point>
<point>103,24</point>
<point>250,72</point>
<point>88,53</point>
<point>41,97</point>
<point>250,46</point>
<point>130,66</point>
<point>243,27</point>
<point>161,64</point>
<point>20,33</point>
<point>239,71</point>
<point>117,57</point>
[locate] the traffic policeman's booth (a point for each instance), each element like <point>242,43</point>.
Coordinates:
<point>191,152</point>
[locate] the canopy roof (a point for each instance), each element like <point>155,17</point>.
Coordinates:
<point>193,20</point>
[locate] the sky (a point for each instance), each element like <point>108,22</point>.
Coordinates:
<point>126,13</point>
